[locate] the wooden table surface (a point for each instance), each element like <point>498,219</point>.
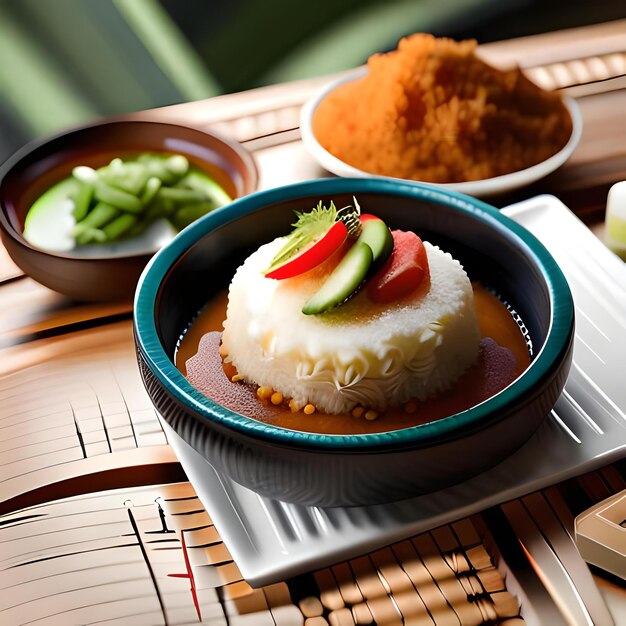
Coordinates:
<point>71,404</point>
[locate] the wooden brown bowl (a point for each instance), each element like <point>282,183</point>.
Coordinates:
<point>42,163</point>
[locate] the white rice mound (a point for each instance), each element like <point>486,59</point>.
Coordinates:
<point>361,353</point>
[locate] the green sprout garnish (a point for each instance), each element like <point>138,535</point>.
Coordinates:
<point>309,227</point>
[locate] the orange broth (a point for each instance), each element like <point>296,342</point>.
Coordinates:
<point>494,369</point>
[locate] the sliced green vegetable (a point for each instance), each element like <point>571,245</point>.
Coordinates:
<point>116,197</point>
<point>153,185</point>
<point>200,181</point>
<point>82,199</point>
<point>181,196</point>
<point>376,234</point>
<point>119,226</point>
<point>90,235</point>
<point>155,166</point>
<point>188,214</point>
<point>85,174</point>
<point>344,280</point>
<point>49,220</point>
<point>177,164</point>
<point>102,214</point>
<point>121,199</point>
<point>159,207</point>
<point>131,177</point>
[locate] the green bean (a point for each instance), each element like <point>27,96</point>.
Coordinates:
<point>137,179</point>
<point>130,195</point>
<point>118,198</point>
<point>119,226</point>
<point>131,177</point>
<point>90,235</point>
<point>89,229</point>
<point>153,184</point>
<point>159,207</point>
<point>177,164</point>
<point>82,199</point>
<point>85,174</point>
<point>156,167</point>
<point>101,214</point>
<point>188,214</point>
<point>179,195</point>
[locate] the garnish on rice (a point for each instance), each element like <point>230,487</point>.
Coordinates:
<point>316,236</point>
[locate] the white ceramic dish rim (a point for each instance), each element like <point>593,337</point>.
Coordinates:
<point>481,188</point>
<point>273,541</point>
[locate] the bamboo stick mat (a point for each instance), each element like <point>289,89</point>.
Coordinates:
<point>76,408</point>
<point>73,406</point>
<point>151,555</point>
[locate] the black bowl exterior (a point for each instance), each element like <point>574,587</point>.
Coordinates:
<point>329,479</point>
<point>42,163</point>
<point>356,475</point>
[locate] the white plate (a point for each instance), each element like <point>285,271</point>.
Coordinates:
<point>272,540</point>
<point>482,188</point>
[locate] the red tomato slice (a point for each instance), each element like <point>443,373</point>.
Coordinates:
<point>403,271</point>
<point>313,254</point>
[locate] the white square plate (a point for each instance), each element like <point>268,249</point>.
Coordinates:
<point>272,540</point>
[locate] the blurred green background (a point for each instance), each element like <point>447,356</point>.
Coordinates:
<point>63,62</point>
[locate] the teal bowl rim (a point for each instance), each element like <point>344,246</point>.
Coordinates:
<point>147,339</point>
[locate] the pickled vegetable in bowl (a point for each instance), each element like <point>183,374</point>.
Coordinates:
<point>127,206</point>
<point>102,259</point>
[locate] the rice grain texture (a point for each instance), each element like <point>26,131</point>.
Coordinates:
<point>361,353</point>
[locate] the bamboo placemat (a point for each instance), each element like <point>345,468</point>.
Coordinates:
<point>74,406</point>
<point>76,409</point>
<point>151,555</point>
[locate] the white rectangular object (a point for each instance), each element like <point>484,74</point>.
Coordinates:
<point>272,540</point>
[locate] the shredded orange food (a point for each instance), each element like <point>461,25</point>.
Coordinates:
<point>433,111</point>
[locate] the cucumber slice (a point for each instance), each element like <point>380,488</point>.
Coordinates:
<point>49,221</point>
<point>343,281</point>
<point>376,234</point>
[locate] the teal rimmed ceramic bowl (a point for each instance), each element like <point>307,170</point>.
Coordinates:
<point>333,470</point>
